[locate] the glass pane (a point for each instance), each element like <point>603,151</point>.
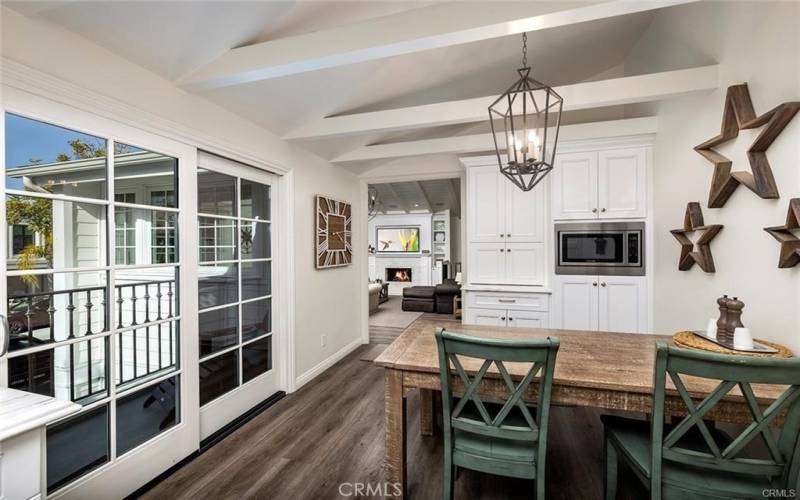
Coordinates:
<point>146,414</point>
<point>255,240</point>
<point>218,285</point>
<point>256,279</point>
<point>137,170</point>
<point>218,329</point>
<point>217,239</point>
<point>44,157</point>
<point>76,446</point>
<point>256,318</point>
<point>218,376</point>
<point>66,234</point>
<point>145,295</point>
<point>156,246</point>
<point>256,358</point>
<point>47,308</point>
<point>255,200</point>
<point>145,351</point>
<point>216,193</point>
<point>74,372</point>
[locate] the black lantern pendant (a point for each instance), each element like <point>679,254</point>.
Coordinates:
<point>525,122</point>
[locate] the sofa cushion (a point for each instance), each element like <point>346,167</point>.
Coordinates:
<point>419,292</point>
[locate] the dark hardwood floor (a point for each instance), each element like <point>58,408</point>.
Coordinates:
<point>331,432</point>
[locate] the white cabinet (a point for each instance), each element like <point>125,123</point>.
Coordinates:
<point>506,229</point>
<point>609,184</point>
<point>604,303</point>
<point>515,309</point>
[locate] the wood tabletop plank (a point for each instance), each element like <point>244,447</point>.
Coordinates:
<point>594,360</point>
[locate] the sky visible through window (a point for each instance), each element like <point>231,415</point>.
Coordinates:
<point>30,142</point>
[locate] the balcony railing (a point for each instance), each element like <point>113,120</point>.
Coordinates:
<point>40,318</point>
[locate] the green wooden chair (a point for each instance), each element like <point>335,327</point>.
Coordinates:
<point>502,437</point>
<point>692,460</point>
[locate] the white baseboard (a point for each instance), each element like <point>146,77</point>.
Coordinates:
<point>306,377</point>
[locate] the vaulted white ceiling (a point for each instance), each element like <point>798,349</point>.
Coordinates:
<point>351,68</point>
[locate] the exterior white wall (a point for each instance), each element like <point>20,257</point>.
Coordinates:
<point>753,42</point>
<point>326,302</point>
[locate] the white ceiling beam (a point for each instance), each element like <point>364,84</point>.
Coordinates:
<point>398,200</point>
<point>615,91</point>
<point>425,197</point>
<point>478,143</point>
<point>407,32</point>
<point>453,187</point>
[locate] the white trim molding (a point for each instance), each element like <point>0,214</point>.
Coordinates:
<point>331,360</point>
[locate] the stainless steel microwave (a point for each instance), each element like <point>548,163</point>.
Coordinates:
<point>602,248</point>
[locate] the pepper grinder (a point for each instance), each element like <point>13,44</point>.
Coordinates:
<point>723,334</point>
<point>735,308</point>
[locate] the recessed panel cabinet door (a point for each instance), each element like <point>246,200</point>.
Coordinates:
<point>524,264</point>
<point>623,306</point>
<point>527,319</point>
<point>575,301</point>
<point>486,263</point>
<point>524,213</point>
<point>574,186</point>
<point>487,204</point>
<point>622,187</point>
<point>486,317</point>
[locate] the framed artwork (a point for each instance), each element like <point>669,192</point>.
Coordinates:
<point>397,239</point>
<point>334,233</point>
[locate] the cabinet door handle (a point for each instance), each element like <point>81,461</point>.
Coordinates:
<point>594,284</point>
<point>503,318</point>
<point>508,249</point>
<point>507,301</point>
<point>602,209</point>
<point>511,319</point>
<point>502,249</point>
<point>5,335</point>
<point>594,210</point>
<point>508,235</point>
<point>501,235</point>
<point>602,284</point>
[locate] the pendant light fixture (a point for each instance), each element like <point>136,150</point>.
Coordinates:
<point>525,120</point>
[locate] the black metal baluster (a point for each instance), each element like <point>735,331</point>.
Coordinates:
<point>121,361</point>
<point>104,295</point>
<point>146,302</point>
<point>158,298</point>
<point>147,350</point>
<point>72,371</point>
<point>29,315</point>
<point>133,303</point>
<point>120,301</point>
<point>51,310</point>
<point>171,360</point>
<point>160,347</point>
<point>135,362</point>
<point>89,367</point>
<point>71,311</point>
<point>169,298</point>
<point>89,307</point>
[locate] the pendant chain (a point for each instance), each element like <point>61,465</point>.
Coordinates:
<point>524,50</point>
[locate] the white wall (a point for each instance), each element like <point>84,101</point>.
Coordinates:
<point>158,104</point>
<point>757,43</point>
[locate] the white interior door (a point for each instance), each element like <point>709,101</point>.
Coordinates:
<point>91,278</point>
<point>236,217</point>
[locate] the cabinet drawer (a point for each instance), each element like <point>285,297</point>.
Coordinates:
<point>520,301</point>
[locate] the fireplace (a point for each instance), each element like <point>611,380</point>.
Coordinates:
<point>400,274</point>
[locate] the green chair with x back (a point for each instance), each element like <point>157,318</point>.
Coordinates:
<point>692,460</point>
<point>503,436</point>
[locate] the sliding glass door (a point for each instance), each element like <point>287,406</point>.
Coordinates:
<point>237,369</point>
<point>92,284</point>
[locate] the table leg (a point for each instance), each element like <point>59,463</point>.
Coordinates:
<point>426,412</point>
<point>394,464</point>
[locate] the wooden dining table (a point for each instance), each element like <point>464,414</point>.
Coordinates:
<point>611,371</point>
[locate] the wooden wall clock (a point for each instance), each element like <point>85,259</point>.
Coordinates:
<point>334,238</point>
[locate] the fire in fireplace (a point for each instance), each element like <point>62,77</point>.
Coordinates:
<point>398,274</point>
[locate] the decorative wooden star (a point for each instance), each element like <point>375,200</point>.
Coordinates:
<point>737,115</point>
<point>693,221</point>
<point>790,244</point>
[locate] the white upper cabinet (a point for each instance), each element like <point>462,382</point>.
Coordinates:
<point>524,264</point>
<point>486,213</point>
<point>524,221</point>
<point>621,183</point>
<point>609,184</point>
<point>574,186</point>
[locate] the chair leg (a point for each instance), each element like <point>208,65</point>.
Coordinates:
<point>611,471</point>
<point>447,486</point>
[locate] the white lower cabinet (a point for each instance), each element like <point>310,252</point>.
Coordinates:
<point>604,303</point>
<point>518,309</point>
<point>506,263</point>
